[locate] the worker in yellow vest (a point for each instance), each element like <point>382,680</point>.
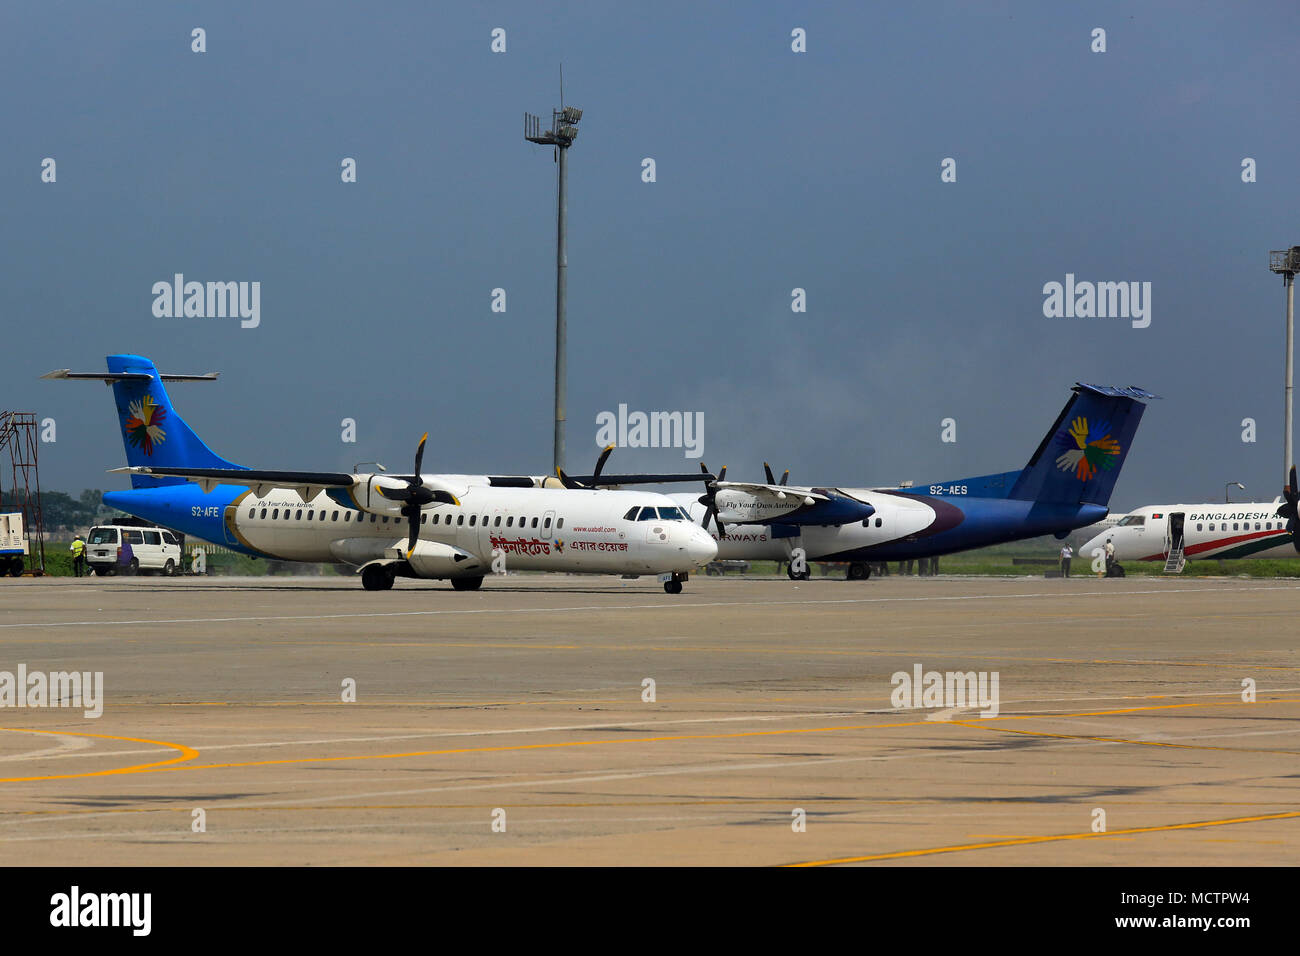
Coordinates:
<point>78,549</point>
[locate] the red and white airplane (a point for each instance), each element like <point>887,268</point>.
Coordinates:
<point>1206,531</point>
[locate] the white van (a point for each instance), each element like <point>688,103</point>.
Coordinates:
<point>113,549</point>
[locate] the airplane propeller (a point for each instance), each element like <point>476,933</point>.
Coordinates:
<point>710,498</point>
<point>767,469</point>
<point>1289,510</point>
<point>572,483</point>
<point>416,495</point>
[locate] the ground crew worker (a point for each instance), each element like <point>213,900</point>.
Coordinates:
<point>1110,556</point>
<point>1066,554</point>
<point>78,549</point>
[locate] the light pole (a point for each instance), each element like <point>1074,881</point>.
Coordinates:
<point>1286,263</point>
<point>1231,484</point>
<point>563,132</point>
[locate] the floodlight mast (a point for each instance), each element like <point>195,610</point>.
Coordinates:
<point>1286,263</point>
<point>561,135</point>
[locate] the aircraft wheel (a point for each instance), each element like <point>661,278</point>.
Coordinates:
<point>467,584</point>
<point>673,587</point>
<point>859,571</point>
<point>794,575</point>
<point>376,578</point>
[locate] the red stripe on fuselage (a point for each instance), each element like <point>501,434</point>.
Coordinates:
<point>1222,542</point>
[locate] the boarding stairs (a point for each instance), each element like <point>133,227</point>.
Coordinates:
<point>1175,560</point>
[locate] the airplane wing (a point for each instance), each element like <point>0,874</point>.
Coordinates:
<point>308,484</point>
<point>602,481</point>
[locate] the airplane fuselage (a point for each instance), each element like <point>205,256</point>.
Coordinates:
<point>523,528</point>
<point>904,526</point>
<point>1220,531</point>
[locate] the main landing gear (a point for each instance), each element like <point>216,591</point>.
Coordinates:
<point>467,584</point>
<point>859,571</point>
<point>675,585</point>
<point>794,575</point>
<point>376,577</point>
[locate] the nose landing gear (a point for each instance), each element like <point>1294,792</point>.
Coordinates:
<point>675,585</point>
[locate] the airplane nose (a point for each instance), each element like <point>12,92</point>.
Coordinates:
<point>701,547</point>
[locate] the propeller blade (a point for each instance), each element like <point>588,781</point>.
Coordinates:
<point>767,470</point>
<point>394,494</point>
<point>1292,493</point>
<point>710,496</point>
<point>419,455</point>
<point>565,480</point>
<point>786,476</point>
<point>600,462</point>
<point>414,534</point>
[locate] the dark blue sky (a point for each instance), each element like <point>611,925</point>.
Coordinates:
<point>775,170</point>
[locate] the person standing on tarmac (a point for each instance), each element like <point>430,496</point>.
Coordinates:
<point>1110,556</point>
<point>78,549</point>
<point>1066,554</point>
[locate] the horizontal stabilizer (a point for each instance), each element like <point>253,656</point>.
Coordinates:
<point>108,378</point>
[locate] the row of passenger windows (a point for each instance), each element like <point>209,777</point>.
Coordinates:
<point>291,514</point>
<point>1245,526</point>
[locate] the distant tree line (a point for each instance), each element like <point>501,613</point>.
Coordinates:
<point>62,512</point>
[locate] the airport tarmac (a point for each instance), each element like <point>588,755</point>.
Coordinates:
<point>522,704</point>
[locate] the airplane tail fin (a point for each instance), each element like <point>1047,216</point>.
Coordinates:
<point>152,432</point>
<point>1079,459</point>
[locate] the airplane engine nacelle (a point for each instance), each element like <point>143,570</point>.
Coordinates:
<point>762,504</point>
<point>432,559</point>
<point>368,493</point>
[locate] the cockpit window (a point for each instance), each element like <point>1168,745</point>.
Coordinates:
<point>672,514</point>
<point>631,514</point>
<point>648,514</point>
<point>1131,521</point>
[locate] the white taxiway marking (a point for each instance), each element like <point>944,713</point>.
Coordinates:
<point>66,747</point>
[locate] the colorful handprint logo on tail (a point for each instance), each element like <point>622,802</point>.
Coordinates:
<point>1088,449</point>
<point>144,427</point>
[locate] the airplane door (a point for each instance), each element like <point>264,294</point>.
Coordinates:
<point>1174,537</point>
<point>548,522</point>
<point>228,525</point>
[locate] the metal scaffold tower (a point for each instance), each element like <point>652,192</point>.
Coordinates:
<point>18,437</point>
